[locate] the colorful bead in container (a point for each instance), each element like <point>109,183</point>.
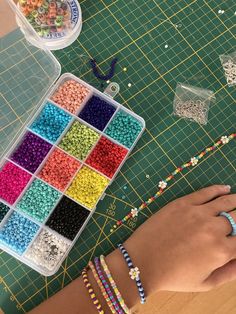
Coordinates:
<point>79,140</point>
<point>87,187</point>
<point>46,16</point>
<point>18,232</point>
<point>38,200</point>
<point>67,218</point>
<point>59,169</point>
<point>13,180</point>
<point>70,95</point>
<point>51,122</point>
<point>106,157</point>
<point>3,210</point>
<point>30,152</point>
<point>124,128</point>
<point>97,112</point>
<point>47,250</point>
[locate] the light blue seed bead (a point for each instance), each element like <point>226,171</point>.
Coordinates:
<point>18,232</point>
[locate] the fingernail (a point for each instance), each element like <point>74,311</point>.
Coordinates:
<point>228,187</point>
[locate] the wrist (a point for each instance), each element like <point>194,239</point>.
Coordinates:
<point>151,272</point>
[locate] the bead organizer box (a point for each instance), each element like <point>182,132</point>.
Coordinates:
<point>58,170</point>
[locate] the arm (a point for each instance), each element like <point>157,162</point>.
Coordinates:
<point>183,247</point>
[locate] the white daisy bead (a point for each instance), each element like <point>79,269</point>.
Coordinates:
<point>162,185</point>
<point>134,273</point>
<point>134,212</point>
<point>194,161</point>
<point>225,139</point>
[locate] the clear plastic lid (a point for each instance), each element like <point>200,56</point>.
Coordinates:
<point>26,73</point>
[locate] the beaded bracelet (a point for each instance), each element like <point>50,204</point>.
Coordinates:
<point>163,183</point>
<point>107,287</point>
<point>91,292</point>
<point>104,293</point>
<point>113,284</point>
<point>134,273</point>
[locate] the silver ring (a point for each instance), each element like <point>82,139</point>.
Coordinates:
<point>231,221</point>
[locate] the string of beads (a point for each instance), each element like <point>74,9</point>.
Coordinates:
<point>164,183</point>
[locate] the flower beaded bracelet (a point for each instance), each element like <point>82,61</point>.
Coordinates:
<point>163,183</point>
<point>134,273</point>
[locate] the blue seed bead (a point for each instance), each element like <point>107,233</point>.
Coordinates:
<point>18,232</point>
<point>51,122</point>
<point>97,112</point>
<point>124,128</point>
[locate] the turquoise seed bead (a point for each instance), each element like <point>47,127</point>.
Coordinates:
<point>51,122</point>
<point>124,128</point>
<point>38,200</point>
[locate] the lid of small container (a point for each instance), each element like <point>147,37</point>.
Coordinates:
<point>26,74</point>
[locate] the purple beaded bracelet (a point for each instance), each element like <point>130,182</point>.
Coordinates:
<point>106,286</point>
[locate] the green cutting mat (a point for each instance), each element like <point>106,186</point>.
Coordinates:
<point>138,33</point>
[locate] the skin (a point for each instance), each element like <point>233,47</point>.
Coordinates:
<point>186,247</point>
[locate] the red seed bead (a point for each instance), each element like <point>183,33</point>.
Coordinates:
<point>106,157</point>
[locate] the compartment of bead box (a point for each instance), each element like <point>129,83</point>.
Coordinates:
<point>59,169</point>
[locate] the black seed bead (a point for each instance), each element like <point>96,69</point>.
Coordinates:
<point>67,218</point>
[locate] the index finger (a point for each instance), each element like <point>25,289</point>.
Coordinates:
<point>207,194</point>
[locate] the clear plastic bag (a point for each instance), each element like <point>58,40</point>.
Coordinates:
<point>229,65</point>
<point>192,103</point>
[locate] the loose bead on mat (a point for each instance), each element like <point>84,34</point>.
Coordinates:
<point>162,184</point>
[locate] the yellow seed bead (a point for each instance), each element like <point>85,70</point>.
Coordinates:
<point>87,187</point>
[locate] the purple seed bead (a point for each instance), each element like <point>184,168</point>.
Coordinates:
<point>30,152</point>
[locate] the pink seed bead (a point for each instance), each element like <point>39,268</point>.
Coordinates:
<point>12,182</point>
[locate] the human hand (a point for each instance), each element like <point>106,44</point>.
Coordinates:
<point>186,246</point>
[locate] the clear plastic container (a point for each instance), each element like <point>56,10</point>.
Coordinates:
<point>54,30</point>
<point>27,82</point>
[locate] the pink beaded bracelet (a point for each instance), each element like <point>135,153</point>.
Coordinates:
<point>104,293</point>
<point>113,284</point>
<point>106,286</point>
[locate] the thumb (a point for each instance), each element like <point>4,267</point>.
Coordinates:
<point>222,275</point>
